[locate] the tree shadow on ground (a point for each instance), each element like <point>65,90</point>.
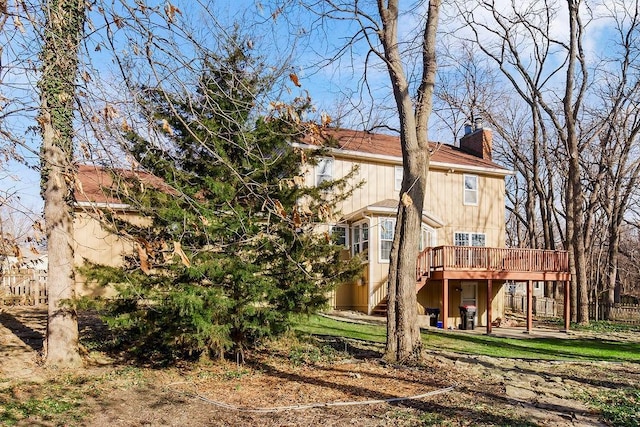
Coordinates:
<point>586,378</point>
<point>356,348</point>
<point>447,404</point>
<point>27,323</point>
<point>591,349</point>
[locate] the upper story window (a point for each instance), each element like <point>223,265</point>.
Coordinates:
<point>469,239</point>
<point>397,177</point>
<point>340,235</point>
<point>387,229</point>
<point>324,170</point>
<point>470,189</point>
<point>360,239</point>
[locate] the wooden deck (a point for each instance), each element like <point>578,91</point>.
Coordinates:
<point>440,264</point>
<point>465,262</point>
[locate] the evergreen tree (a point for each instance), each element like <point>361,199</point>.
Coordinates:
<point>232,247</point>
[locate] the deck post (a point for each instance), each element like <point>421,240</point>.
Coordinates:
<point>445,304</point>
<point>567,306</point>
<point>489,305</point>
<point>529,306</point>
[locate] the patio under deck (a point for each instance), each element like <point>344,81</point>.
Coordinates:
<point>444,263</point>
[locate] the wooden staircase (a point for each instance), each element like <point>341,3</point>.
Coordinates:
<point>381,308</point>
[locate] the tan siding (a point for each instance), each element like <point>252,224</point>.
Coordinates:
<point>431,296</point>
<point>378,178</point>
<point>350,296</point>
<point>93,243</point>
<point>443,200</point>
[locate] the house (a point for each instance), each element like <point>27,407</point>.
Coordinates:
<point>93,239</point>
<point>463,259</point>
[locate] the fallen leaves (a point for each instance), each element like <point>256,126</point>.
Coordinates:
<point>177,250</point>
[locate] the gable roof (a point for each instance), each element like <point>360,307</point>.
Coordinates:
<point>387,147</point>
<point>390,207</point>
<point>96,185</point>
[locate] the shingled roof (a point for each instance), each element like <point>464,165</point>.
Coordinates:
<point>96,184</point>
<point>389,145</point>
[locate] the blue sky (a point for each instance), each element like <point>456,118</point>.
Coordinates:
<point>293,31</point>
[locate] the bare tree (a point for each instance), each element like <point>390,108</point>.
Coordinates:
<point>619,138</point>
<point>403,334</point>
<point>402,44</point>
<point>469,86</point>
<point>533,60</point>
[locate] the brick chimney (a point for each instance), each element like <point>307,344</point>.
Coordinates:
<point>477,139</point>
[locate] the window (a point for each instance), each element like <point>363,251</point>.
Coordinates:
<point>397,176</point>
<point>324,170</point>
<point>461,239</point>
<point>340,235</point>
<point>427,238</point>
<point>470,189</point>
<point>467,257</point>
<point>387,229</point>
<point>469,239</point>
<point>478,239</point>
<point>360,239</point>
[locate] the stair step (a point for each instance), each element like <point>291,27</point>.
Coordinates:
<point>381,308</point>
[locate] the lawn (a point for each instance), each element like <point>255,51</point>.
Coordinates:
<point>325,361</point>
<point>592,349</point>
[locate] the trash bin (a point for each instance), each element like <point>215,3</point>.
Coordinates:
<point>468,316</point>
<point>433,314</point>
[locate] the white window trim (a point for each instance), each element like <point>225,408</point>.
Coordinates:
<point>432,231</point>
<point>470,235</point>
<point>361,249</point>
<point>329,161</point>
<point>398,172</point>
<point>393,225</point>
<point>347,231</point>
<point>465,190</point>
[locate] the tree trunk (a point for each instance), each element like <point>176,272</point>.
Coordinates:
<point>63,31</point>
<point>573,295</point>
<point>575,193</point>
<point>612,261</point>
<point>403,334</point>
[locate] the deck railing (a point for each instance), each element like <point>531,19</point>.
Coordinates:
<point>442,258</point>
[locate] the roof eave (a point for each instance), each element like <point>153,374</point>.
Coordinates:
<point>104,205</point>
<point>389,211</point>
<point>395,160</point>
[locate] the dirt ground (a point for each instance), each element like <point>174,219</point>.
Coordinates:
<point>333,384</point>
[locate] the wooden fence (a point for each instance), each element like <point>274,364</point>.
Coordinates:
<point>23,287</point>
<point>548,307</point>
<point>542,307</point>
<point>622,313</point>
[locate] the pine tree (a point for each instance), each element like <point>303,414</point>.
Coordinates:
<point>232,249</point>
